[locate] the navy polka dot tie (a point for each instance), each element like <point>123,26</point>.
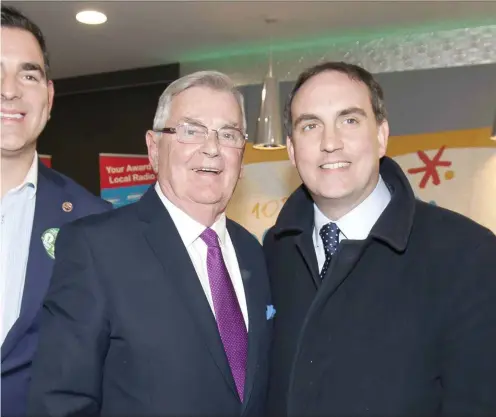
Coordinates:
<point>330,237</point>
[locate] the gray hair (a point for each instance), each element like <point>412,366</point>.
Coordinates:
<point>211,79</point>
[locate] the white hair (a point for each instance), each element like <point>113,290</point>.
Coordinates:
<point>211,79</point>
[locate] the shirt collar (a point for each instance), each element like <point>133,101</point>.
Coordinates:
<point>189,229</point>
<point>30,180</point>
<point>357,223</point>
<point>32,175</point>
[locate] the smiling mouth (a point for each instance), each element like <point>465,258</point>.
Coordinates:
<point>11,116</point>
<point>336,165</point>
<point>207,171</point>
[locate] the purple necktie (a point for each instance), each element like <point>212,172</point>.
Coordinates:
<point>230,320</point>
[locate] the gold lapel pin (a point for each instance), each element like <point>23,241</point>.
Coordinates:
<point>67,206</point>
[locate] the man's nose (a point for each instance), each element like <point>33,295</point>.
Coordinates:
<point>10,87</point>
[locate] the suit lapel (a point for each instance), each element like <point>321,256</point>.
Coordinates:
<point>255,301</point>
<point>343,263</point>
<point>165,241</point>
<point>296,221</point>
<point>48,214</point>
<point>306,248</point>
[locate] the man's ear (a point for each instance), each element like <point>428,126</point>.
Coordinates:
<point>290,147</point>
<point>383,137</point>
<point>51,93</point>
<point>152,139</point>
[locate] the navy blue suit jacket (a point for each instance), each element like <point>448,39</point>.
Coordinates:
<point>127,329</point>
<point>53,190</point>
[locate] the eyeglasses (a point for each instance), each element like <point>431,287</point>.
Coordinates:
<point>196,134</point>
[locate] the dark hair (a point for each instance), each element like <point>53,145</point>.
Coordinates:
<point>13,18</point>
<point>354,72</point>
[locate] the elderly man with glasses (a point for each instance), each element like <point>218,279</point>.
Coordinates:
<point>159,307</point>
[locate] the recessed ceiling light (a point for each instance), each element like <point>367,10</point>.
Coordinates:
<point>91,17</point>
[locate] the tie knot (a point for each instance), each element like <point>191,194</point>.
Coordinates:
<point>330,237</point>
<point>210,238</point>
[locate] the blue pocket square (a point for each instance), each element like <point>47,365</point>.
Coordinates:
<point>270,312</point>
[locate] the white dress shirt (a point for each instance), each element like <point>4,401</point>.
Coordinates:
<point>17,214</point>
<point>355,224</point>
<point>190,231</point>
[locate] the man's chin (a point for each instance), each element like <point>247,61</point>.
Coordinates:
<point>12,149</point>
<point>332,191</point>
<point>207,199</point>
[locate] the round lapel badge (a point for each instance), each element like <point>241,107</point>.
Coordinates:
<point>67,206</point>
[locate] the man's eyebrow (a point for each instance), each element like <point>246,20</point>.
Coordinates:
<point>32,66</point>
<point>234,125</point>
<point>200,123</point>
<point>352,110</point>
<point>305,117</point>
<point>191,121</point>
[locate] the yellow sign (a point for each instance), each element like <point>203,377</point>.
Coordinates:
<point>455,170</point>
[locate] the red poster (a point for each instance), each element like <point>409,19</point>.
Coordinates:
<point>46,159</point>
<point>124,178</point>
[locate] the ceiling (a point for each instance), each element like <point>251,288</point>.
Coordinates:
<point>149,33</point>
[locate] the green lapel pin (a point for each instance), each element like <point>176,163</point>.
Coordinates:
<point>48,239</point>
